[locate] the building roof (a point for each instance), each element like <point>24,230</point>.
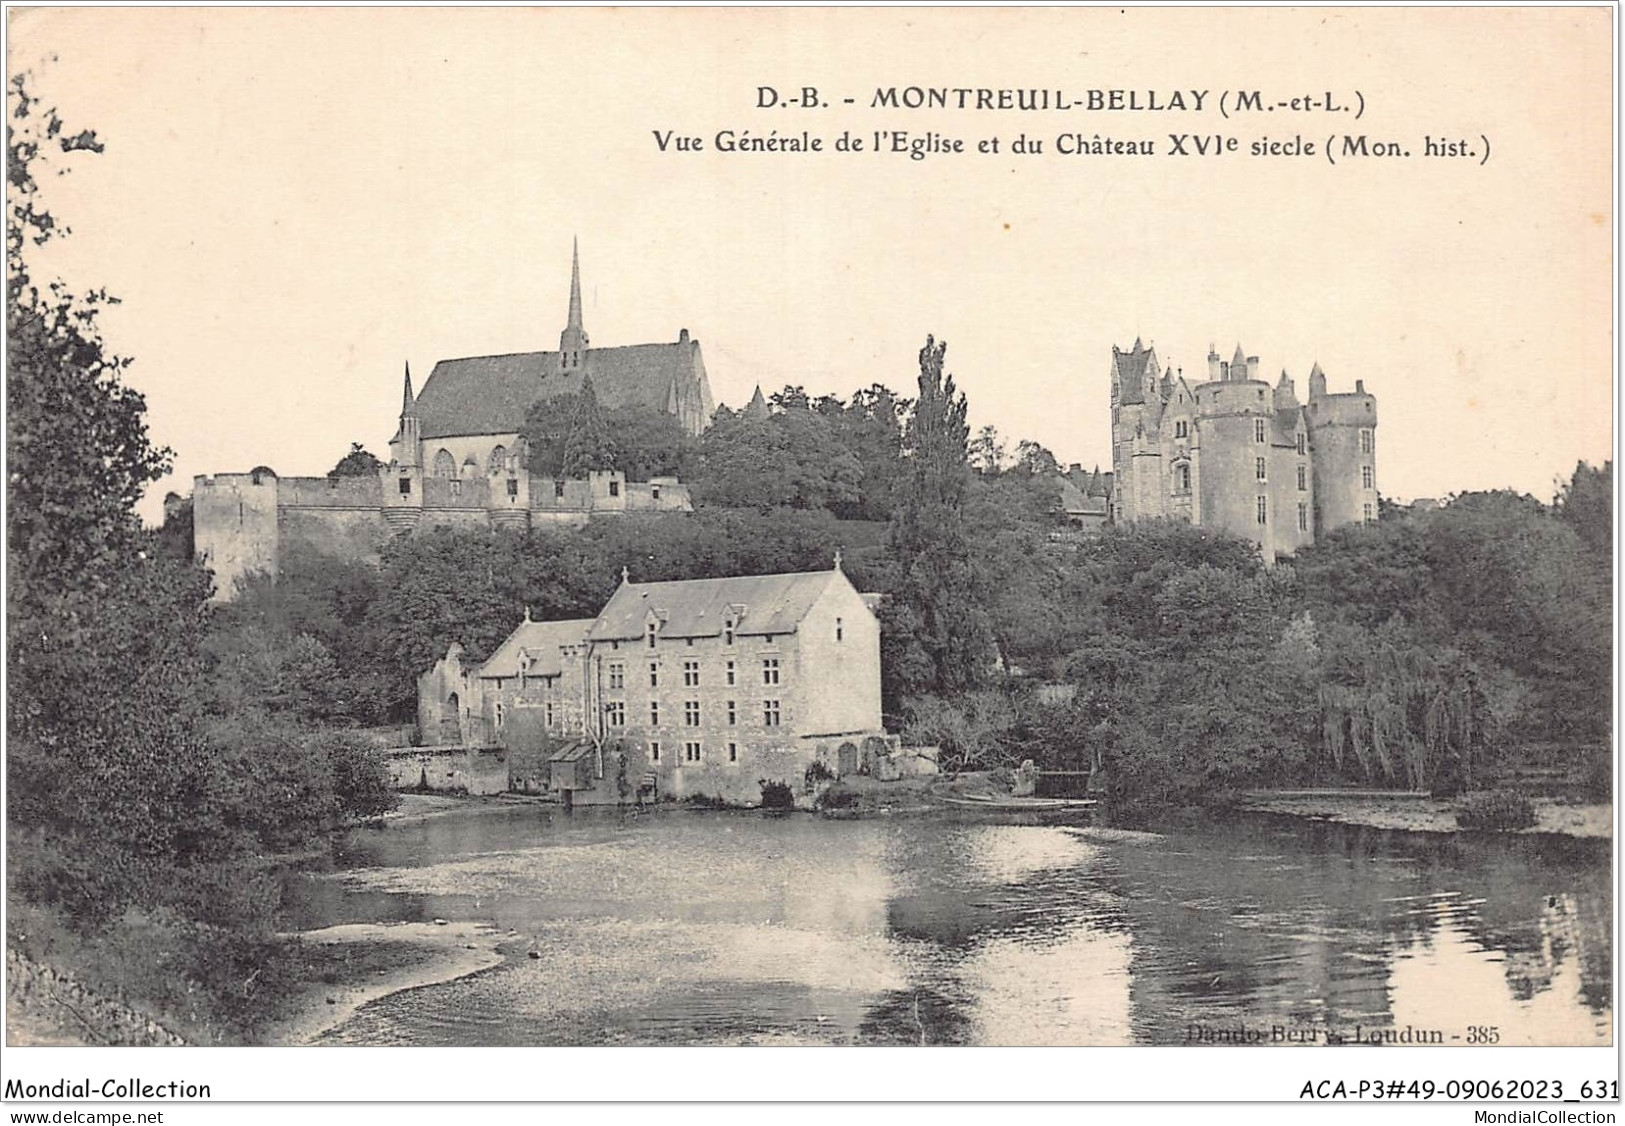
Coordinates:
<point>571,752</point>
<point>763,604</point>
<point>534,647</point>
<point>1130,371</point>
<point>492,394</point>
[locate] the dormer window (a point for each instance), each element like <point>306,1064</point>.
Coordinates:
<point>728,632</point>
<point>650,634</point>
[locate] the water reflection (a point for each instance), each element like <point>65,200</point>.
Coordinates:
<point>686,927</point>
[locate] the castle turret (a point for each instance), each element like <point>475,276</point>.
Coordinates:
<point>573,340</point>
<point>757,407</point>
<point>406,448</point>
<point>1343,446</point>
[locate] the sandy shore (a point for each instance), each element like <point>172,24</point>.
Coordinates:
<point>448,951</point>
<point>1427,816</point>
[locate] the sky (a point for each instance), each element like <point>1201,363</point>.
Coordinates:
<point>293,203</point>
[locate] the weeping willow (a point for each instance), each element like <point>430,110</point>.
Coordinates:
<point>1401,712</point>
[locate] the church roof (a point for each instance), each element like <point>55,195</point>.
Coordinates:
<point>492,394</point>
<point>534,647</point>
<point>771,604</point>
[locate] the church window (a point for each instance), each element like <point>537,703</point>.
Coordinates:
<point>406,486</point>
<point>1258,430</point>
<point>444,464</point>
<point>513,486</point>
<point>1303,517</point>
<point>1302,442</point>
<point>614,488</point>
<point>617,675</point>
<point>1367,477</point>
<point>498,461</point>
<point>1367,439</point>
<point>1303,478</point>
<point>558,488</point>
<point>1263,510</point>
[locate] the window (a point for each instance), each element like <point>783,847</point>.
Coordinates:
<point>498,461</point>
<point>654,713</point>
<point>617,713</point>
<point>651,634</point>
<point>513,486</point>
<point>840,630</point>
<point>654,492</point>
<point>654,675</point>
<point>1303,517</point>
<point>728,632</point>
<point>691,713</point>
<point>1263,510</point>
<point>1367,477</point>
<point>1369,518</point>
<point>770,708</point>
<point>1262,469</point>
<point>1180,429</point>
<point>691,674</point>
<point>733,714</point>
<point>1303,478</point>
<point>1183,475</point>
<point>456,488</point>
<point>691,752</point>
<point>617,675</point>
<point>730,674</point>
<point>614,488</point>
<point>499,717</point>
<point>1367,441</point>
<point>547,714</point>
<point>733,752</point>
<point>406,486</point>
<point>1302,443</point>
<point>770,670</point>
<point>654,751</point>
<point>444,464</point>
<point>558,489</point>
<point>1258,430</point>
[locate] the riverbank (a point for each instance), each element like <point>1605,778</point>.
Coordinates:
<point>1430,815</point>
<point>375,960</point>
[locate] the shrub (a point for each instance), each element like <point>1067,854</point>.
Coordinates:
<point>837,797</point>
<point>817,773</point>
<point>1498,809</point>
<point>777,795</point>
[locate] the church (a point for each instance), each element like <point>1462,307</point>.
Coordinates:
<point>458,458</point>
<point>1234,453</point>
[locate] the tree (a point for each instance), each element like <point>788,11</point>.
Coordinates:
<point>357,463</point>
<point>588,447</point>
<point>935,633</point>
<point>1034,460</point>
<point>987,452</point>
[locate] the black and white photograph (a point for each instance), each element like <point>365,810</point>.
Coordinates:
<point>793,530</point>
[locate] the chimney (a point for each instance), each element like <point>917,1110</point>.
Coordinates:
<point>682,336</point>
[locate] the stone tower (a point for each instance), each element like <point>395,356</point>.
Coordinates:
<point>1343,440</point>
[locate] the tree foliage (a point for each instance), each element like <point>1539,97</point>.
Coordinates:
<point>357,463</point>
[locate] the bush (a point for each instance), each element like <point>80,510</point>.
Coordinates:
<point>1498,809</point>
<point>817,773</point>
<point>837,797</point>
<point>777,795</point>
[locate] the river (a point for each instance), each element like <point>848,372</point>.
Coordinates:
<point>692,926</point>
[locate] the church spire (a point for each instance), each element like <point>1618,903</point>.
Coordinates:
<point>408,403</point>
<point>573,340</point>
<point>757,407</point>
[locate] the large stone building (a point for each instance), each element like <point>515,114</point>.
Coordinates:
<point>458,458</point>
<point>1235,453</point>
<point>704,687</point>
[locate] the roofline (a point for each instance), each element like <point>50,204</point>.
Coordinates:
<point>694,340</point>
